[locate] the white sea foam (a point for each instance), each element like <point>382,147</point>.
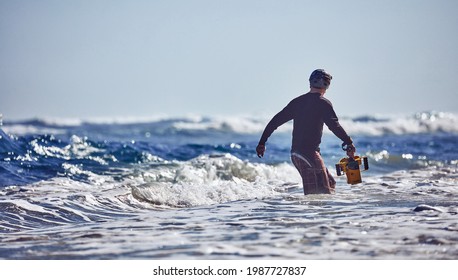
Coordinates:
<point>238,124</point>
<point>402,215</point>
<point>419,123</point>
<point>24,129</point>
<point>78,148</point>
<point>206,180</point>
<point>210,180</point>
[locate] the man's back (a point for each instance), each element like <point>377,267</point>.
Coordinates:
<point>309,111</point>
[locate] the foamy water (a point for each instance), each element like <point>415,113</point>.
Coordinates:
<point>179,189</point>
<point>237,219</point>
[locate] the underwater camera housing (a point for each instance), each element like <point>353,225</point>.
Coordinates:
<point>350,167</point>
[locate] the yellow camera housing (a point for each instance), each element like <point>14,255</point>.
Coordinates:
<point>351,168</point>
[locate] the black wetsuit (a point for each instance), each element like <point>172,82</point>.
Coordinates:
<point>309,112</point>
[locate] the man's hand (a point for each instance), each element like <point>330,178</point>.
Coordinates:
<point>260,149</point>
<point>351,151</point>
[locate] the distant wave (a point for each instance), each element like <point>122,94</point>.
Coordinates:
<point>422,122</point>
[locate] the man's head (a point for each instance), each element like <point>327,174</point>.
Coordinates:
<point>320,79</point>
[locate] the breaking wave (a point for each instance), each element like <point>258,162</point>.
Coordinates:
<point>422,122</point>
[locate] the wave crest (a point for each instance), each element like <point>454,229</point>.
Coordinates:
<point>425,122</point>
<point>209,180</point>
<point>422,122</point>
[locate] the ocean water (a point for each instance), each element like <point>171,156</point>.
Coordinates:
<point>193,188</point>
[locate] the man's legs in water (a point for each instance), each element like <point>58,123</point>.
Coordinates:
<point>316,178</point>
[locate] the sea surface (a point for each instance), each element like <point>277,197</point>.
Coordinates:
<point>193,188</point>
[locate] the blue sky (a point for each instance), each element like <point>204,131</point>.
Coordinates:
<point>84,59</point>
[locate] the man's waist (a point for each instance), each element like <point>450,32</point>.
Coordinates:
<point>305,150</point>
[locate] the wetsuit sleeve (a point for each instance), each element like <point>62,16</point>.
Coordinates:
<point>332,122</point>
<point>280,118</point>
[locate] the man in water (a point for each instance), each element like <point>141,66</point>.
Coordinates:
<point>309,112</point>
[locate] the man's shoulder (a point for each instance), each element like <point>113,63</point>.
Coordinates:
<point>296,100</point>
<point>306,97</point>
<point>325,100</point>
<point>302,97</point>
